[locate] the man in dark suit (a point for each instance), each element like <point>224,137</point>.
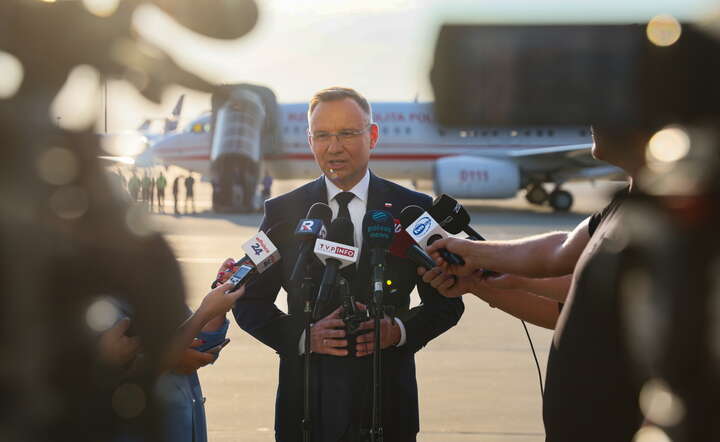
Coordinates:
<point>341,135</point>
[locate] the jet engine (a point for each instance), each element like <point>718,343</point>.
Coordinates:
<point>473,177</point>
<point>244,128</point>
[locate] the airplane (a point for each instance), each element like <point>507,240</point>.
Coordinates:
<point>248,132</point>
<point>123,147</point>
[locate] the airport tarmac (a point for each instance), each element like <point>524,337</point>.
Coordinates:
<point>477,382</point>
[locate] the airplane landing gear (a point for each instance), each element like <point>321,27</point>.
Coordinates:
<point>536,194</point>
<point>560,200</point>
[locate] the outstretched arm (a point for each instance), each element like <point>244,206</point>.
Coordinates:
<point>540,256</point>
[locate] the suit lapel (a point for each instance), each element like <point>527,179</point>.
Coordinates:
<point>317,193</point>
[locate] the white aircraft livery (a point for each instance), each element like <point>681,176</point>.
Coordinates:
<point>248,132</point>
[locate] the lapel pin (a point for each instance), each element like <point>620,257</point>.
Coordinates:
<point>388,205</point>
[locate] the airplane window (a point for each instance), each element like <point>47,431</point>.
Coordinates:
<point>513,133</point>
<point>407,130</point>
<point>539,133</point>
<point>551,132</point>
<point>528,132</point>
<point>285,129</point>
<point>441,132</point>
<point>583,133</point>
<point>495,133</point>
<point>296,129</point>
<point>385,131</point>
<point>484,133</point>
<point>397,130</point>
<point>463,134</point>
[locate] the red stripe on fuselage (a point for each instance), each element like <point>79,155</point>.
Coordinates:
<point>402,145</point>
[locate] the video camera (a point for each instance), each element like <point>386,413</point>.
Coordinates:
<point>657,291</point>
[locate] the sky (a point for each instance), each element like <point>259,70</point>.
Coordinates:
<point>382,48</point>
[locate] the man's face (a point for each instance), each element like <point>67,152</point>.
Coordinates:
<point>345,160</point>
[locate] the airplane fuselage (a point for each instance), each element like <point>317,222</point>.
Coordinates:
<point>410,144</point>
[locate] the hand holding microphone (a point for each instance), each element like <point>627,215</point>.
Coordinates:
<point>261,254</point>
<point>425,230</point>
<point>470,251</point>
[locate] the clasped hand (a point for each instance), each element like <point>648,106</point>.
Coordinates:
<point>328,335</point>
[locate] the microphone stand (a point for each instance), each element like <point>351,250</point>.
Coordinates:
<point>307,288</point>
<point>376,430</point>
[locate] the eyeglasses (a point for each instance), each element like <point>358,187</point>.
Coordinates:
<point>343,135</point>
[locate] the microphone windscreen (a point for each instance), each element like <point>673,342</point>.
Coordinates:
<point>341,231</point>
<point>378,229</point>
<point>409,214</point>
<point>320,211</point>
<point>450,214</point>
<point>401,244</point>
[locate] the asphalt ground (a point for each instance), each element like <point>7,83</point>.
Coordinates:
<point>477,382</point>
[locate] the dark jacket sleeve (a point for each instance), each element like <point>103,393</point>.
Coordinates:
<point>256,313</point>
<point>435,315</point>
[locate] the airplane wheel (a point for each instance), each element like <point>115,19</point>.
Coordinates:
<point>536,194</point>
<point>561,200</point>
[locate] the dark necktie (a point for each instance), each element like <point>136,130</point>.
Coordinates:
<point>343,199</point>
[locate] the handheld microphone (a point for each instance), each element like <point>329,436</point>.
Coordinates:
<point>336,253</point>
<point>424,230</point>
<point>403,246</point>
<point>261,253</point>
<point>453,217</point>
<point>378,231</point>
<point>307,231</point>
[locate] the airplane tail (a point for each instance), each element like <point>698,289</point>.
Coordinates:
<point>145,126</point>
<point>171,122</point>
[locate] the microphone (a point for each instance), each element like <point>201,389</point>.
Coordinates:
<point>307,231</point>
<point>424,230</point>
<point>453,217</point>
<point>378,230</point>
<point>261,253</point>
<point>336,253</point>
<point>403,246</point>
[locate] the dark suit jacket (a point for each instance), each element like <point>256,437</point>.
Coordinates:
<point>342,385</point>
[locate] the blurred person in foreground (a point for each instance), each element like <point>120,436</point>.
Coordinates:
<point>341,135</point>
<point>590,394</point>
<point>179,387</point>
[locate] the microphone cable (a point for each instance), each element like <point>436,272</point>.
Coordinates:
<point>537,364</point>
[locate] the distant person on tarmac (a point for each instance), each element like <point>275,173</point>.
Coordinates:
<point>146,187</point>
<point>175,190</point>
<point>160,185</point>
<point>189,192</point>
<point>134,186</point>
<point>267,185</point>
<point>151,193</point>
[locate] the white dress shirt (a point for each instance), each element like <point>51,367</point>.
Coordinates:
<point>357,208</point>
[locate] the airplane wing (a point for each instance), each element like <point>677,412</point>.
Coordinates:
<point>571,149</point>
<point>565,163</point>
